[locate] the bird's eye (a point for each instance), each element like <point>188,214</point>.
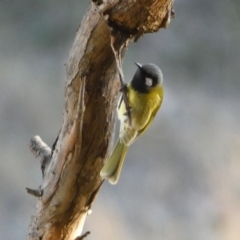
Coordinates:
<point>148,82</point>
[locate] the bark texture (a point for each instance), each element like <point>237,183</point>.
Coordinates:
<point>71,180</point>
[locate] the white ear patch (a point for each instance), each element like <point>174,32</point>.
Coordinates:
<point>148,82</point>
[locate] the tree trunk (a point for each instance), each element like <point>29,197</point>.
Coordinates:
<point>71,177</point>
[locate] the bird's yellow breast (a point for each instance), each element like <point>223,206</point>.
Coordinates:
<point>144,107</point>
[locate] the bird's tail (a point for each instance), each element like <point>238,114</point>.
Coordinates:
<point>112,168</point>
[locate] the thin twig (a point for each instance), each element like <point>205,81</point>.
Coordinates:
<point>35,192</point>
<point>82,236</point>
<point>117,51</point>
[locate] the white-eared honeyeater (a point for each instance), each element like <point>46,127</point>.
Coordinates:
<point>144,95</point>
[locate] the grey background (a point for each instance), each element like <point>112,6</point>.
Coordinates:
<point>181,180</point>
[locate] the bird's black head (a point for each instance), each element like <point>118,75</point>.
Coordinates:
<point>146,77</point>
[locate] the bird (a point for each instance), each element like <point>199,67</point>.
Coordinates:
<point>144,96</point>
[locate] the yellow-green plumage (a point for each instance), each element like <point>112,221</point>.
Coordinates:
<point>144,106</point>
<point>113,166</point>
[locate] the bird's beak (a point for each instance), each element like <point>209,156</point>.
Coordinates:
<point>139,65</point>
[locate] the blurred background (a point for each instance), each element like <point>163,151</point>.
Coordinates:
<point>181,180</point>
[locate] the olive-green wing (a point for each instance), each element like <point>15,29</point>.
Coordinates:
<point>140,132</point>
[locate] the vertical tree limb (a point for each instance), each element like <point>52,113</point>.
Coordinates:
<point>71,180</point>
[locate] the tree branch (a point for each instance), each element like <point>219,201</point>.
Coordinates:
<point>71,181</point>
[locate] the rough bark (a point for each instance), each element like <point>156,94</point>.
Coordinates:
<point>71,179</point>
